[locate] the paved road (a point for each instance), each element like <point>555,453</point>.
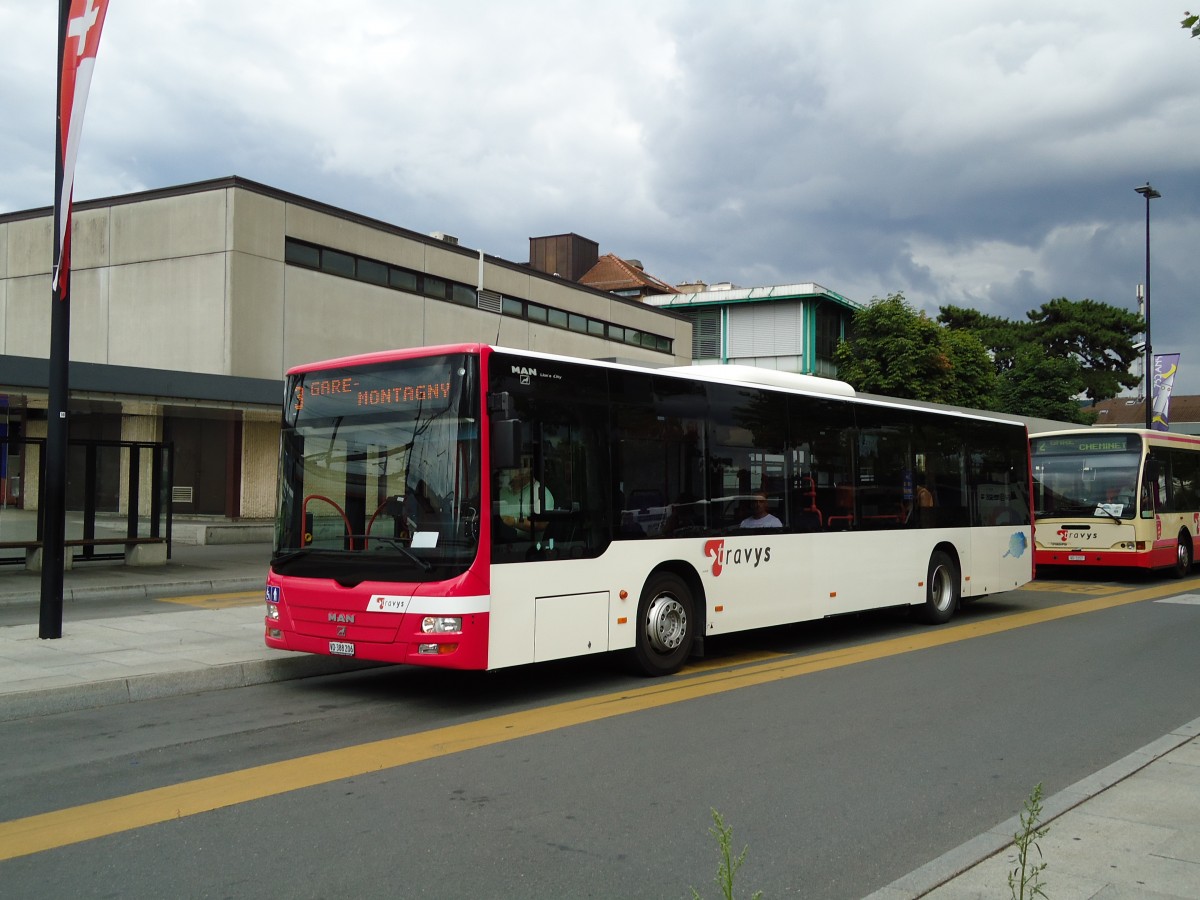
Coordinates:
<point>848,756</point>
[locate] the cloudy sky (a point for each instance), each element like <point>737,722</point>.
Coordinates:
<point>980,153</point>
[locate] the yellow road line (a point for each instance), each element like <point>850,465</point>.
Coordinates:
<point>218,601</point>
<point>61,828</point>
<point>1072,587</point>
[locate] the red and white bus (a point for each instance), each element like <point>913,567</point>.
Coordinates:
<point>474,507</point>
<point>1119,497</point>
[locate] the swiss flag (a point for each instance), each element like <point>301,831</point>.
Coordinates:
<point>78,39</point>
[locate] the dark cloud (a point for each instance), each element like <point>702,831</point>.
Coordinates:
<point>983,156</point>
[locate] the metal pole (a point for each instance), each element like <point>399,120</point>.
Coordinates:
<point>53,500</point>
<point>1150,194</point>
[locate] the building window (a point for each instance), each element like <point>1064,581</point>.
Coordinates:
<point>829,331</point>
<point>433,287</point>
<point>299,254</point>
<point>336,263</point>
<point>462,295</point>
<point>372,271</point>
<point>402,279</point>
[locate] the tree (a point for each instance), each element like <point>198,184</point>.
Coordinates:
<point>896,351</point>
<point>1043,386</point>
<point>1099,335</point>
<point>1000,336</point>
<point>1191,23</point>
<point>1091,341</point>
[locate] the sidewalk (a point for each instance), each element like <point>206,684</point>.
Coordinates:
<point>211,643</point>
<point>1129,830</point>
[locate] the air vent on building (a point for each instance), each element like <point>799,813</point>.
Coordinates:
<point>489,301</point>
<point>706,334</point>
<point>444,238</point>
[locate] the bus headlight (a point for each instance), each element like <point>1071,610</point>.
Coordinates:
<point>273,612</point>
<point>441,624</point>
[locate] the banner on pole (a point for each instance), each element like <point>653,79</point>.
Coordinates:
<point>78,41</point>
<point>1165,367</point>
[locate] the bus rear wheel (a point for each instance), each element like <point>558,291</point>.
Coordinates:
<point>942,589</point>
<point>1183,557</point>
<point>664,625</point>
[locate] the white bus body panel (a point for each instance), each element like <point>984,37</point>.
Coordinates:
<point>554,609</point>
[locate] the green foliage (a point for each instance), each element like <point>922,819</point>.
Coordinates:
<point>1035,367</point>
<point>897,351</point>
<point>1025,881</point>
<point>1000,336</point>
<point>729,863</point>
<point>1191,23</point>
<point>1042,386</point>
<point>1099,335</point>
<point>1065,348</point>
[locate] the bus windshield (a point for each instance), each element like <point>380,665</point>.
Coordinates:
<point>379,471</point>
<point>1093,477</point>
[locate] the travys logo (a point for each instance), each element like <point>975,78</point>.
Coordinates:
<point>738,556</point>
<point>1064,535</point>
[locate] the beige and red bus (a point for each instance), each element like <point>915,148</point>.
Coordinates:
<point>1117,497</point>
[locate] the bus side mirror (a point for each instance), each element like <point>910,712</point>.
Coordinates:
<point>506,431</point>
<point>1150,475</point>
<point>506,443</point>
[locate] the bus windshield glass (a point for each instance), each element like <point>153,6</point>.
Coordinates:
<point>1086,476</point>
<point>379,471</point>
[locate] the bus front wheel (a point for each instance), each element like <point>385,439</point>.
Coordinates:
<point>942,589</point>
<point>1183,557</point>
<point>664,625</point>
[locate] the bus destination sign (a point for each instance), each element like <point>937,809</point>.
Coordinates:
<point>363,390</point>
<point>1117,443</point>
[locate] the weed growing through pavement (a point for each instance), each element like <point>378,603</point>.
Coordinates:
<point>729,863</point>
<point>1025,881</point>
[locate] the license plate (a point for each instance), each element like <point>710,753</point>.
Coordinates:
<point>340,648</point>
<point>1076,558</point>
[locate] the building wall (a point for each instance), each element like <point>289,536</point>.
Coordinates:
<point>260,463</point>
<point>195,281</point>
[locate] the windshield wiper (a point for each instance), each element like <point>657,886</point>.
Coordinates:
<point>284,558</point>
<point>424,564</point>
<point>1072,509</point>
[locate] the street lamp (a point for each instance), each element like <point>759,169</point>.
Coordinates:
<point>1150,194</point>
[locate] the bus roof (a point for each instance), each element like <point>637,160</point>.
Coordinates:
<point>722,374</point>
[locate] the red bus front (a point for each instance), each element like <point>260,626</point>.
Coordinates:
<point>378,525</point>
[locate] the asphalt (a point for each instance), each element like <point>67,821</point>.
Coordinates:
<point>1130,830</point>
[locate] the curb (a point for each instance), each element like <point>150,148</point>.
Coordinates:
<point>144,590</point>
<point>94,695</point>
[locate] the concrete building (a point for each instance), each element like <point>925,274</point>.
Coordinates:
<point>793,328</point>
<point>189,303</point>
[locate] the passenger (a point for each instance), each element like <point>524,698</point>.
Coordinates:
<point>761,517</point>
<point>520,497</point>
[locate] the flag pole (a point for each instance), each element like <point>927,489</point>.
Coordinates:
<point>54,488</point>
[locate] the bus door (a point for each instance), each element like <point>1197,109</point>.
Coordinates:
<point>552,502</point>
